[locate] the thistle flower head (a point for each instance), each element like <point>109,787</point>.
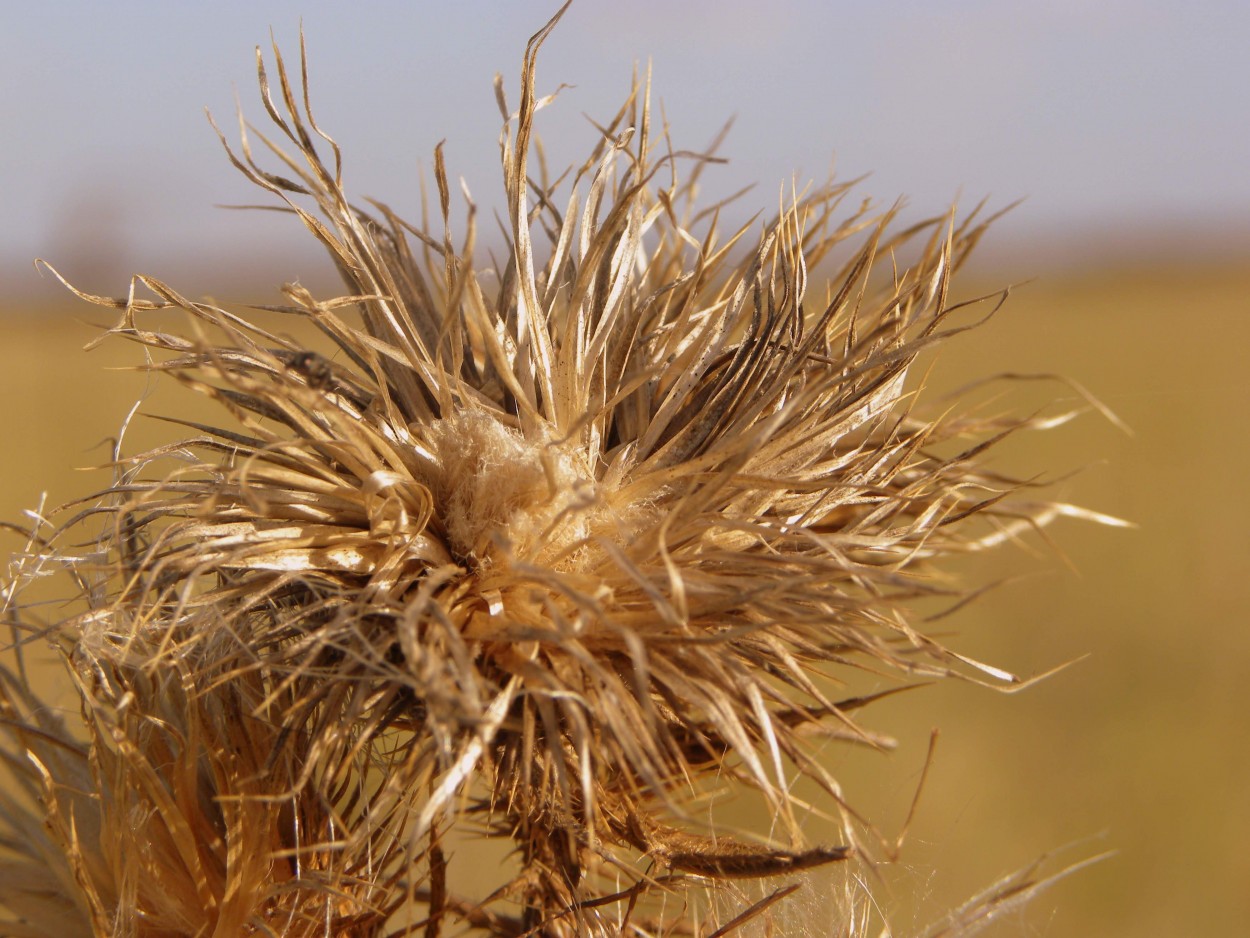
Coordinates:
<point>550,546</point>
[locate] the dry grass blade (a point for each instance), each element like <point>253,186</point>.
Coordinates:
<point>1005,897</point>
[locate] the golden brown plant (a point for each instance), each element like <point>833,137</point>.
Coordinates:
<point>551,549</point>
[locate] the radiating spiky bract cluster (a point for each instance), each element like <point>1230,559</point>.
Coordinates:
<point>548,548</point>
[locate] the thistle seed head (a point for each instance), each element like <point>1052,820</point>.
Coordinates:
<point>553,548</point>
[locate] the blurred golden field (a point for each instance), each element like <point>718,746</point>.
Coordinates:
<point>1140,748</point>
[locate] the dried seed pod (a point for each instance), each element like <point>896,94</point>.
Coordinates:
<point>551,550</point>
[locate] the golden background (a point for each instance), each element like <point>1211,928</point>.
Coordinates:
<point>1139,748</point>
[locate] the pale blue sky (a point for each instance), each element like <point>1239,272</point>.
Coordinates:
<point>1101,112</point>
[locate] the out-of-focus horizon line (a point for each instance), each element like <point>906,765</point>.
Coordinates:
<point>243,268</point>
<point>1118,120</point>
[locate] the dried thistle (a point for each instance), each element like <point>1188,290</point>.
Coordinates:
<point>550,549</point>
